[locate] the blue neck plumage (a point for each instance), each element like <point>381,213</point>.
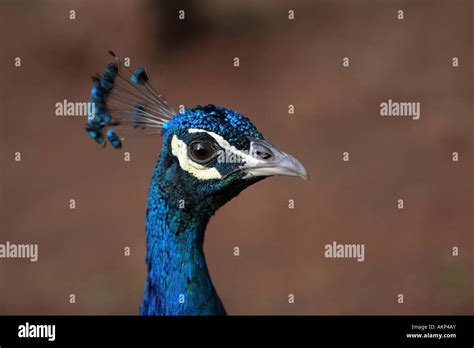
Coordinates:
<point>178,280</point>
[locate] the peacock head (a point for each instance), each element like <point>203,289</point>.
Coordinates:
<point>214,151</point>
<point>209,153</point>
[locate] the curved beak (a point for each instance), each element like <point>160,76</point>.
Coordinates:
<point>265,160</point>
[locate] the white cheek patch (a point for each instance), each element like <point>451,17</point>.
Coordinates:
<point>180,151</point>
<point>246,157</point>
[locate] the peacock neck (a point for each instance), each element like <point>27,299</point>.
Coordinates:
<point>178,281</point>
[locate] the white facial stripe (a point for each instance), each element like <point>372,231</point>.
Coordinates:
<point>247,158</point>
<point>179,149</point>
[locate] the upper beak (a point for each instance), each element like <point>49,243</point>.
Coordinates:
<point>267,160</point>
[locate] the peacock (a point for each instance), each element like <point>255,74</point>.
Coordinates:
<point>209,155</point>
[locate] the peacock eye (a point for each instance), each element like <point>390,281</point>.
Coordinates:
<point>201,151</point>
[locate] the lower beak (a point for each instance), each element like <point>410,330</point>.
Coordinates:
<point>267,160</point>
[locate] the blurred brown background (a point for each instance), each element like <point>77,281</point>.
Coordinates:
<point>282,62</point>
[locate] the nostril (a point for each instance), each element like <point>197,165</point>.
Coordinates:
<point>264,155</point>
<point>260,149</point>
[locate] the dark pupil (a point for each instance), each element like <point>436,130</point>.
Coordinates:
<point>201,151</point>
